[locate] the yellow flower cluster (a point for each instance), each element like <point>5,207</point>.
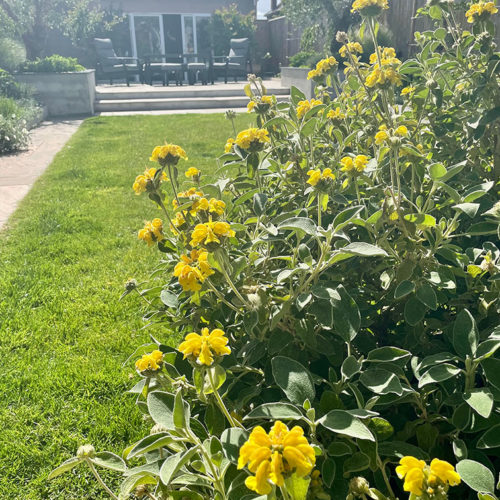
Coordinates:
<point>317,175</point>
<point>323,67</point>
<point>382,77</point>
<point>261,105</point>
<point>152,232</point>
<point>252,138</point>
<point>335,114</point>
<point>200,204</point>
<point>304,106</point>
<point>355,165</point>
<point>387,57</point>
<point>383,135</point>
<point>168,154</point>
<point>192,172</point>
<point>141,181</point>
<point>210,232</point>
<point>408,90</point>
<point>418,477</point>
<point>369,7</point>
<point>352,48</point>
<point>229,145</point>
<point>480,11</point>
<point>270,456</point>
<point>151,361</point>
<point>192,270</point>
<point>202,348</point>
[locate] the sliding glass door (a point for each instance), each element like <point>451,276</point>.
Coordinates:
<point>147,35</point>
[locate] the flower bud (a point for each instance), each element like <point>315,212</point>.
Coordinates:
<point>131,284</point>
<point>157,428</point>
<point>87,450</point>
<point>341,37</point>
<point>359,486</point>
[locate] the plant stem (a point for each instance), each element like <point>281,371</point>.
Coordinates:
<point>386,479</point>
<point>222,406</point>
<point>99,479</point>
<point>221,297</point>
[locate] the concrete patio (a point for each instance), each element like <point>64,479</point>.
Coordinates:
<point>119,99</point>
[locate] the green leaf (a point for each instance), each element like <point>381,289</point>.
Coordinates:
<point>388,354</point>
<point>490,439</point>
<point>300,224</point>
<point>350,367</point>
<point>109,460</point>
<point>459,449</point>
<point>64,467</point>
<point>232,440</point>
<point>297,487</point>
<point>343,218</point>
<point>423,220</point>
<point>469,209</point>
<point>426,294</point>
<point>437,170</point>
<point>174,463</point>
<point>465,334</point>
<point>328,472</point>
<point>294,379</point>
<point>153,442</point>
<point>438,373</point>
<point>364,250</point>
<point>342,422</point>
<point>169,299</point>
<point>400,449</point>
<point>381,381</point>
<point>403,289</point>
<point>482,228</point>
<point>491,367</point>
<point>414,311</point>
<point>277,411</point>
<point>181,411</point>
<point>308,128</point>
<point>296,95</point>
<point>161,408</point>
<point>355,463</point>
<point>346,316</point>
<point>480,400</point>
<point>476,476</point>
<point>259,203</point>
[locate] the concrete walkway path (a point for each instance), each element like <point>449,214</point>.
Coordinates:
<point>18,172</point>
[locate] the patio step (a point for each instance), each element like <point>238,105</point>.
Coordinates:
<point>176,103</point>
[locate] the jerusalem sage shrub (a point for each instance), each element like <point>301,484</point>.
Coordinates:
<point>337,288</point>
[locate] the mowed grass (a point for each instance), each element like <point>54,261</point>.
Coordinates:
<point>63,333</point>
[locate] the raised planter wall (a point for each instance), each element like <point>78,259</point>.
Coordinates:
<point>63,93</point>
<point>297,77</point>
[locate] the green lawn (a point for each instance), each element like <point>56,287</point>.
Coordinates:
<point>63,334</point>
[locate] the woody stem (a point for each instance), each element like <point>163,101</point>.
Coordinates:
<point>220,403</point>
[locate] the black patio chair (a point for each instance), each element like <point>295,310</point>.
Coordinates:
<point>199,67</point>
<point>111,66</point>
<point>236,63</point>
<point>165,66</point>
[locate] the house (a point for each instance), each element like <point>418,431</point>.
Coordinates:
<point>171,26</point>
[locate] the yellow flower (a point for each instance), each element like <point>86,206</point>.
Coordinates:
<point>335,114</point>
<point>168,154</point>
<point>269,456</point>
<point>146,179</point>
<point>419,477</point>
<point>323,67</point>
<point>191,277</point>
<point>192,172</point>
<point>210,232</point>
<point>178,220</point>
<point>480,11</point>
<point>229,145</point>
<point>304,106</point>
<point>202,348</point>
<point>369,7</point>
<point>360,163</point>
<point>412,471</point>
<point>316,176</point>
<point>151,361</point>
<point>266,99</point>
<point>383,77</point>
<point>352,47</point>
<point>250,106</point>
<point>401,131</point>
<point>347,164</point>
<point>388,57</point>
<point>408,90</point>
<point>444,472</point>
<point>152,232</point>
<point>216,206</point>
<point>252,138</point>
<point>380,137</point>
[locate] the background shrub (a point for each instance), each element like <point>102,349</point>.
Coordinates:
<point>12,53</point>
<point>13,133</point>
<point>304,59</point>
<point>52,64</point>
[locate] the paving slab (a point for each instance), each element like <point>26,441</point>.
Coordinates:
<point>18,172</point>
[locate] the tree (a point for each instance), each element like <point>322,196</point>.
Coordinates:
<point>320,20</point>
<point>33,20</point>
